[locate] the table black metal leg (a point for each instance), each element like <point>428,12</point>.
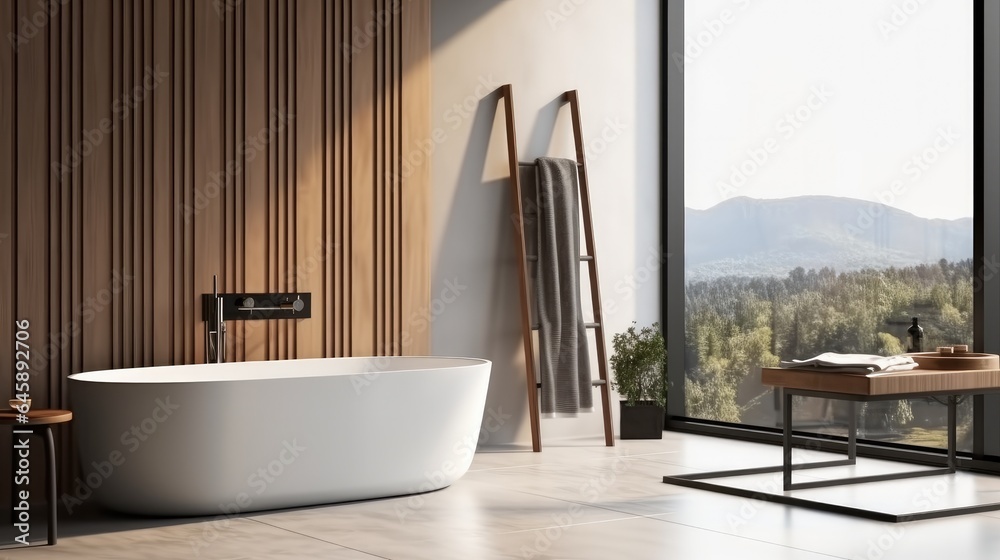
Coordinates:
<point>952,432</point>
<point>786,455</point>
<point>852,433</point>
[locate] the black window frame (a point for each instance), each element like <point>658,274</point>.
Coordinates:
<point>985,455</point>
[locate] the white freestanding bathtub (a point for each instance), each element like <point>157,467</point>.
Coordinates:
<point>237,437</point>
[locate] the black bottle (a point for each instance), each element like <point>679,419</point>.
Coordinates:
<point>915,337</point>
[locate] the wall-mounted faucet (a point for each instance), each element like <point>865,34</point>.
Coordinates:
<point>215,327</point>
<point>218,308</point>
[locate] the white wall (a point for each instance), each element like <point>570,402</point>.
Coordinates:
<point>609,51</point>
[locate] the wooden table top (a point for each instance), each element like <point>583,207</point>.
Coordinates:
<point>915,381</point>
<point>36,417</point>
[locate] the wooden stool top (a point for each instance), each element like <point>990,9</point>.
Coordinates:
<point>36,417</point>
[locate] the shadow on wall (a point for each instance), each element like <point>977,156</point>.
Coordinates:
<point>475,235</point>
<point>461,14</point>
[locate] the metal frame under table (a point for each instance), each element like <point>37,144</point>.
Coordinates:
<point>872,390</point>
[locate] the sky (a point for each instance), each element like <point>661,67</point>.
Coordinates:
<point>868,99</point>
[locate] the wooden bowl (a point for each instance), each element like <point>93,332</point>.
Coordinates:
<point>956,361</point>
<point>15,403</point>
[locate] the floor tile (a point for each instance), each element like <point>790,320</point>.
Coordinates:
<point>223,539</point>
<point>467,508</point>
<point>575,500</point>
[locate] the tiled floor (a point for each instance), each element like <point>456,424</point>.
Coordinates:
<point>574,500</point>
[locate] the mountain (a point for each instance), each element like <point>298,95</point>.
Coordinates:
<point>770,237</point>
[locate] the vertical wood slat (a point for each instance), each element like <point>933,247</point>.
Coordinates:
<point>179,174</point>
<point>75,177</point>
<point>116,189</point>
<point>148,205</point>
<point>397,156</point>
<point>281,185</point>
<point>384,159</point>
<point>378,126</point>
<point>162,226</point>
<point>51,134</point>
<point>209,180</point>
<point>178,168</point>
<point>382,100</point>
<point>337,96</point>
<point>334,183</point>
<point>414,189</point>
<point>310,250</point>
<point>124,123</point>
<point>239,133</point>
<point>131,118</point>
<point>137,97</point>
<point>179,213</point>
<point>135,110</point>
<point>326,146</point>
<point>274,149</point>
<point>137,284</point>
<point>72,219</point>
<point>257,169</point>
<point>8,239</point>
<point>291,187</point>
<point>346,134</point>
<point>96,338</point>
<point>116,251</point>
<point>228,98</point>
<point>362,210</point>
<point>193,340</point>
<point>76,134</point>
<point>33,195</point>
<point>62,131</point>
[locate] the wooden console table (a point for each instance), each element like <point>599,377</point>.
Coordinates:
<point>40,423</point>
<point>856,388</point>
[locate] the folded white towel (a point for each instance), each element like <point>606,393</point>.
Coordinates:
<point>853,363</point>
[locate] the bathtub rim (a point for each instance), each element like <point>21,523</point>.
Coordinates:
<point>88,376</point>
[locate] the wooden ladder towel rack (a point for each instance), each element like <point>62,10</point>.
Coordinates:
<point>527,324</point>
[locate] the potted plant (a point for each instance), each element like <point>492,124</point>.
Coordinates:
<point>638,363</point>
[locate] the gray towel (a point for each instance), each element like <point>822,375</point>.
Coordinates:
<point>563,354</point>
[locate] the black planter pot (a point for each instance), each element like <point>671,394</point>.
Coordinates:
<point>642,421</point>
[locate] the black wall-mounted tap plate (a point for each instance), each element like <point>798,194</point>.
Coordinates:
<point>257,306</point>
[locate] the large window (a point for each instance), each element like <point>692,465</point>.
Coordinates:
<point>829,188</point>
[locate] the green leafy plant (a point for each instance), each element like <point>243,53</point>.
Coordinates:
<point>639,363</point>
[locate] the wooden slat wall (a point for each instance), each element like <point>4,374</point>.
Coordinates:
<point>146,145</point>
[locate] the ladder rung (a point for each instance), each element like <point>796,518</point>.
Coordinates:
<point>593,383</point>
<point>533,164</point>
<point>534,258</point>
<point>536,326</point>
